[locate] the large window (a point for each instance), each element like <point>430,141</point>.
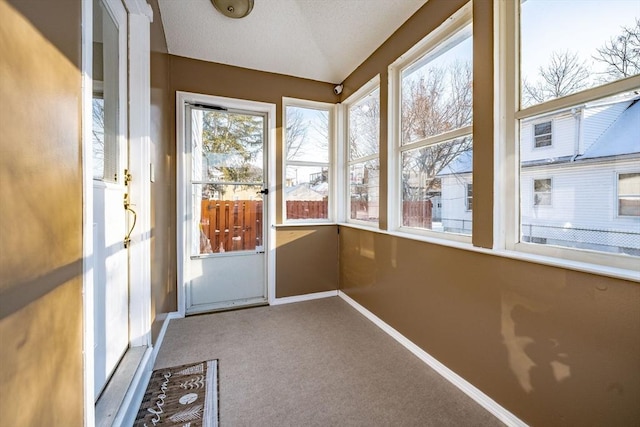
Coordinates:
<point>363,173</point>
<point>542,192</point>
<point>579,99</point>
<point>307,165</point>
<point>433,115</point>
<point>629,194</point>
<point>542,134</point>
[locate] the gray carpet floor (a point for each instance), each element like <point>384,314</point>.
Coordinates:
<point>315,363</point>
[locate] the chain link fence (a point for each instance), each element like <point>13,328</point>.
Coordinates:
<point>615,241</point>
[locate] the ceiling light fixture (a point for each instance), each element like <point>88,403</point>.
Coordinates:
<point>233,8</point>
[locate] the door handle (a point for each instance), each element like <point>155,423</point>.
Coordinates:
<point>265,191</point>
<point>127,207</point>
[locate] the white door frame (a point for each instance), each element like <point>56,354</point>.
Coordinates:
<point>182,98</point>
<point>139,15</point>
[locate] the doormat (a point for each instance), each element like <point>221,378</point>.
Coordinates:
<point>185,396</point>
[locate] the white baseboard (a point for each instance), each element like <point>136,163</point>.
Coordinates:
<point>126,416</point>
<point>305,297</point>
<point>469,389</point>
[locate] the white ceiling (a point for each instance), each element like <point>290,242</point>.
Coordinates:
<point>322,40</point>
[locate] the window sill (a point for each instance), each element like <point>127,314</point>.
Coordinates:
<point>585,267</point>
<point>304,224</point>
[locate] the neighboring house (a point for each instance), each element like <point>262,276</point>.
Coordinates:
<point>579,178</point>
<point>457,194</point>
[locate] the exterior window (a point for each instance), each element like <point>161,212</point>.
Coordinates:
<point>364,166</point>
<point>435,143</point>
<point>542,192</point>
<point>580,93</point>
<point>307,167</point>
<point>469,197</point>
<point>629,194</point>
<point>542,134</point>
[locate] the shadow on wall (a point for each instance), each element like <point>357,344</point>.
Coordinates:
<point>553,346</point>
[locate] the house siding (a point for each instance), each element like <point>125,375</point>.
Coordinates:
<point>455,215</point>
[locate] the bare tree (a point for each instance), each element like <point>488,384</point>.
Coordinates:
<point>565,74</point>
<point>439,102</point>
<point>364,128</point>
<point>621,54</point>
<point>296,132</point>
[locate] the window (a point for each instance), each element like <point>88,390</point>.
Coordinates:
<point>433,115</point>
<point>307,165</point>
<point>629,194</point>
<point>542,134</point>
<point>579,98</point>
<point>542,192</point>
<point>363,155</point>
<point>469,197</point>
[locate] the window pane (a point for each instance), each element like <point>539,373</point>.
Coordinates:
<point>571,45</point>
<point>434,192</point>
<point>364,191</point>
<point>629,194</point>
<point>584,191</point>
<point>227,218</point>
<point>307,134</point>
<point>437,90</point>
<point>98,136</point>
<point>227,146</point>
<point>307,192</point>
<point>106,98</point>
<point>364,126</point>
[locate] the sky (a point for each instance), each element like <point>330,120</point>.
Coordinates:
<point>554,25</point>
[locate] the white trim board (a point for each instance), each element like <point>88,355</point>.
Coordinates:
<point>305,297</point>
<point>470,390</point>
<point>126,416</point>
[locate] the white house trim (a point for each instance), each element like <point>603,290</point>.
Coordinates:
<point>138,17</point>
<point>87,213</point>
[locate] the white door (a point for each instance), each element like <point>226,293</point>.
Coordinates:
<point>111,219</point>
<point>226,207</point>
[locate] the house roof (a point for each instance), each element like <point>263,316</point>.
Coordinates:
<point>302,192</point>
<point>622,137</point>
<point>461,164</point>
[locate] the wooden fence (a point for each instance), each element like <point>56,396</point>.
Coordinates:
<point>307,209</point>
<point>231,225</point>
<point>417,214</point>
<point>236,225</point>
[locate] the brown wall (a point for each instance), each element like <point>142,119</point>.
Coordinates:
<point>191,75</point>
<point>307,260</point>
<point>41,380</point>
<point>553,346</point>
<point>163,189</point>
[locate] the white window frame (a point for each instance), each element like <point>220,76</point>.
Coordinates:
<point>468,206</point>
<point>534,192</point>
<point>617,195</point>
<point>364,91</point>
<point>331,202</point>
<point>507,179</point>
<point>448,29</point>
<point>535,137</point>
